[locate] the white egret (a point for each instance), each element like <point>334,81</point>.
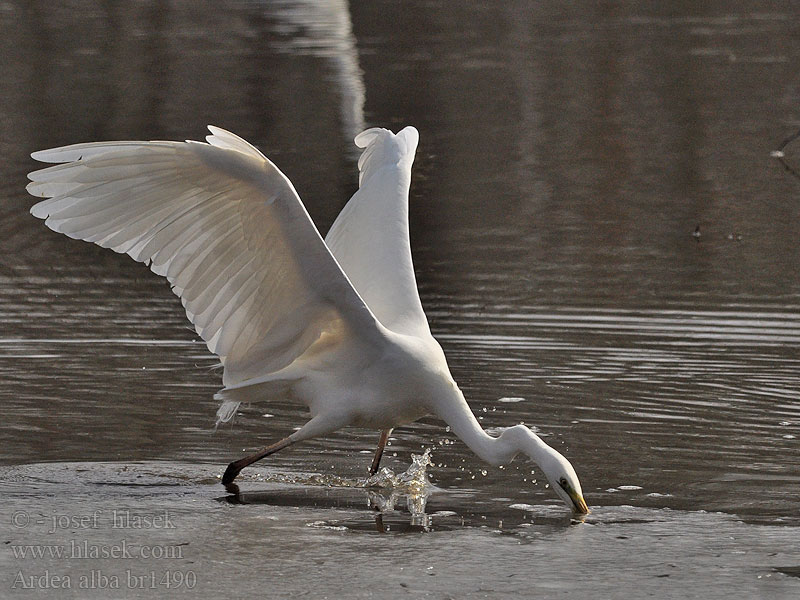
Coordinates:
<point>335,323</point>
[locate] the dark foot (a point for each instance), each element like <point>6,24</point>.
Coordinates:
<point>233,469</point>
<point>232,488</point>
<point>230,473</point>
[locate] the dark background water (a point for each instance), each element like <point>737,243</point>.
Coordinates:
<point>567,155</point>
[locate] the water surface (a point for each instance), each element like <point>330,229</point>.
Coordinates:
<point>567,155</point>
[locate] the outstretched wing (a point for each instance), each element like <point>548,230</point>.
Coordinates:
<point>225,227</point>
<point>370,236</point>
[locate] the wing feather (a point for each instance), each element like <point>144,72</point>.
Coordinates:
<point>370,237</point>
<point>227,230</point>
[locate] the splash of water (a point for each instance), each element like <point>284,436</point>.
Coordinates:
<point>413,484</point>
<point>414,479</point>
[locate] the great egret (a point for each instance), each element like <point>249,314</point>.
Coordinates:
<point>336,323</point>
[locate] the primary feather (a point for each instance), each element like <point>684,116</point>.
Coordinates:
<point>228,231</point>
<point>370,237</point>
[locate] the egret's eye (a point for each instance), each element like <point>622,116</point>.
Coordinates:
<point>563,482</point>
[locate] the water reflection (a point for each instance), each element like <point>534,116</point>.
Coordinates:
<point>324,29</point>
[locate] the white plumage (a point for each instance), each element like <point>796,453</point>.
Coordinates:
<point>337,323</point>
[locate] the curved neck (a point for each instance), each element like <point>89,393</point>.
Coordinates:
<point>454,410</point>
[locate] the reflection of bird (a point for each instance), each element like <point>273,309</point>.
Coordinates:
<point>337,324</point>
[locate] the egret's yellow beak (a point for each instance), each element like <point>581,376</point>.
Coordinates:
<point>578,502</point>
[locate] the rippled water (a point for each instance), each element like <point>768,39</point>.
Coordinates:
<point>567,155</point>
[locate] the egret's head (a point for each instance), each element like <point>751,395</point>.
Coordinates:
<point>564,481</point>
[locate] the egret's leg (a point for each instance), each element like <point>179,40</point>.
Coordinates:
<point>319,425</point>
<point>379,452</point>
<point>233,469</point>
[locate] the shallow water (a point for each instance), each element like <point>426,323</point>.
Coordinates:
<point>328,541</point>
<point>566,158</point>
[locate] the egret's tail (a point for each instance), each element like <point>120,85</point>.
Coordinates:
<point>226,411</point>
<point>231,398</point>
